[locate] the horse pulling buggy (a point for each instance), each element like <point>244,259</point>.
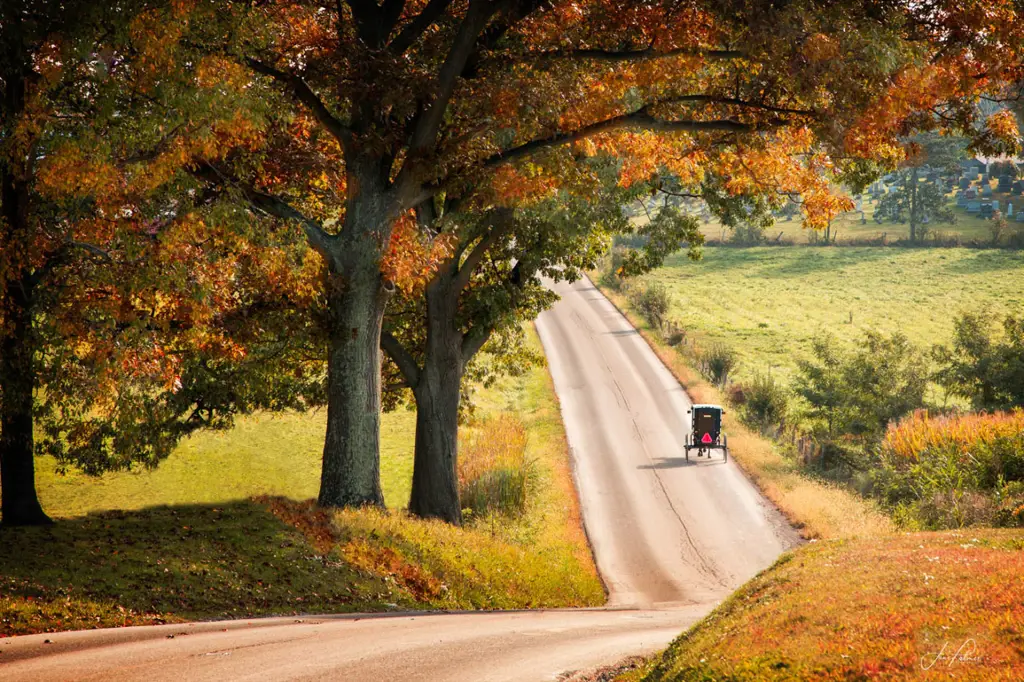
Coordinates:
<point>706,434</point>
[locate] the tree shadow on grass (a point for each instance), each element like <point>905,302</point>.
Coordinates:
<point>992,260</point>
<point>234,560</point>
<point>781,262</point>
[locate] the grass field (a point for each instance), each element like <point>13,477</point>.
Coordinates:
<point>922,606</point>
<point>768,303</point>
<point>188,541</point>
<point>262,455</point>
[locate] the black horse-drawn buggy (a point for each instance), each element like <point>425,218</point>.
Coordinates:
<point>706,434</point>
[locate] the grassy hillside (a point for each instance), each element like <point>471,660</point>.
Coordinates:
<point>923,606</point>
<point>187,542</point>
<point>768,303</point>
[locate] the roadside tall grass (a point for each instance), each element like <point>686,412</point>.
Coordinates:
<point>953,471</point>
<point>495,474</point>
<point>717,363</point>
<point>920,432</point>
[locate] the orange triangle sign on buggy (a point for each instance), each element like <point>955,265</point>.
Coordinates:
<point>706,438</point>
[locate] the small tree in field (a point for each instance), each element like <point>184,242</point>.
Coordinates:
<point>860,393</point>
<point>916,199</point>
<point>820,383</point>
<point>981,365</point>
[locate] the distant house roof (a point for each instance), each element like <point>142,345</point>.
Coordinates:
<point>972,163</point>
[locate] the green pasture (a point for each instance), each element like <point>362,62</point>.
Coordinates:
<point>768,302</point>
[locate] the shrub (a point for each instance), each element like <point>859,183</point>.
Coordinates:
<point>998,227</point>
<point>737,395</point>
<point>954,509</point>
<point>611,266</point>
<point>861,392</point>
<point>981,366</point>
<point>675,334</point>
<point>919,432</point>
<point>748,233</point>
<point>766,402</point>
<point>717,362</point>
<point>951,472</point>
<point>495,475</point>
<point>652,302</point>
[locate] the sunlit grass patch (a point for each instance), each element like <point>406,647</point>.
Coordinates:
<point>767,304</point>
<point>921,606</point>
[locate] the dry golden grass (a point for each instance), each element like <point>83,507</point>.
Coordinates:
<point>818,509</point>
<point>498,442</point>
<point>495,474</point>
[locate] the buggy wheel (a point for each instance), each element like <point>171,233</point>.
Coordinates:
<point>725,447</point>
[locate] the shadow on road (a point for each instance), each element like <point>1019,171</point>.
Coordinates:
<point>678,462</point>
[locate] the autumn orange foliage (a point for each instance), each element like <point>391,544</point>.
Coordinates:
<point>412,256</point>
<point>907,439</point>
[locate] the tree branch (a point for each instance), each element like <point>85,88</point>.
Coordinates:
<point>305,94</point>
<point>102,254</point>
<point>471,27</point>
<point>735,101</point>
<point>474,340</point>
<point>642,119</point>
<point>638,120</point>
<point>318,238</point>
<point>403,360</point>
<point>616,56</point>
<point>415,28</point>
<point>498,230</point>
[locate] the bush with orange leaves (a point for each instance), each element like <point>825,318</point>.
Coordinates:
<point>920,432</point>
<point>954,471</point>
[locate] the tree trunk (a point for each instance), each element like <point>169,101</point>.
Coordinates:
<point>356,296</point>
<point>20,506</point>
<point>913,205</point>
<point>435,490</point>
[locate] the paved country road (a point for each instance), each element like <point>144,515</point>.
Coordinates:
<point>671,539</point>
